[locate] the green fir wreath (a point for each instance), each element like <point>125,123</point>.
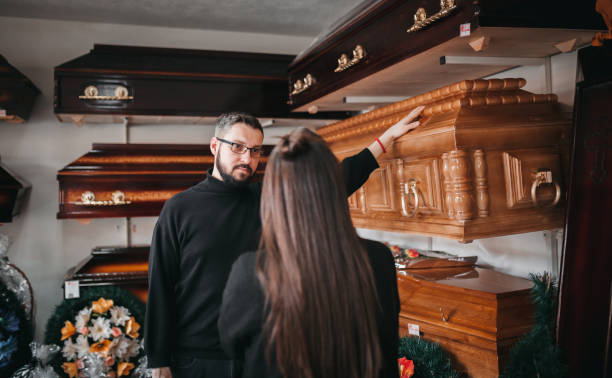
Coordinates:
<point>69,309</point>
<point>536,353</point>
<point>430,360</point>
<point>15,333</point>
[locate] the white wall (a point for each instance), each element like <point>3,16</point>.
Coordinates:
<point>44,247</point>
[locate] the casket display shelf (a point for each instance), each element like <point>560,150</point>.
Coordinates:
<point>132,180</point>
<point>125,267</point>
<point>488,159</point>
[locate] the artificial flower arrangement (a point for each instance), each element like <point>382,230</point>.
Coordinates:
<point>104,329</point>
<point>401,253</point>
<point>406,367</point>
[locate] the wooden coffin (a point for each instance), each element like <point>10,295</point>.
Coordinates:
<point>131,180</point>
<point>489,159</point>
<point>475,314</point>
<point>585,309</point>
<point>13,192</point>
<point>397,48</point>
<point>183,86</point>
<point>17,94</point>
<point>124,267</point>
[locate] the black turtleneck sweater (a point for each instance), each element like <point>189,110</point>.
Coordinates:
<point>198,236</point>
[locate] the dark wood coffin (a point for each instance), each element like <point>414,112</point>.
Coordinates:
<point>402,48</point>
<point>17,94</point>
<point>131,180</point>
<point>125,267</point>
<point>475,314</point>
<point>585,309</point>
<point>13,192</point>
<point>176,83</point>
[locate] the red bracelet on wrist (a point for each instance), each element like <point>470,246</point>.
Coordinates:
<point>381,145</point>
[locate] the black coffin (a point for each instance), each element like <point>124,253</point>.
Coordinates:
<point>17,94</point>
<point>13,191</point>
<point>141,81</point>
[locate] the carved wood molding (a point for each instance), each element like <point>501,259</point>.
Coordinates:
<point>513,175</point>
<point>463,94</point>
<point>462,184</point>
<point>380,182</point>
<point>482,187</point>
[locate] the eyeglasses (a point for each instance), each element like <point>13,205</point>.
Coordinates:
<point>241,148</point>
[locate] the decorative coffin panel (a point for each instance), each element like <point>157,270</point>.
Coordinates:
<point>130,180</point>
<point>487,160</point>
<point>13,191</point>
<point>475,314</point>
<point>395,48</point>
<point>525,186</point>
<point>379,190</point>
<point>17,94</point>
<point>181,85</point>
<point>116,266</point>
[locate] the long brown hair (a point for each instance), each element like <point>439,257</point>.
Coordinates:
<point>320,293</point>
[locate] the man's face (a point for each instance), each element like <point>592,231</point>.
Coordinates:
<point>232,167</point>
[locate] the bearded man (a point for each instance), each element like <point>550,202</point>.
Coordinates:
<point>202,231</point>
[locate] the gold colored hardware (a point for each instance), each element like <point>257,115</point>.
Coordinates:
<point>89,198</point>
<point>301,85</point>
<point>91,93</point>
<point>359,54</point>
<point>409,188</point>
<point>544,176</point>
<point>444,316</point>
<point>421,20</point>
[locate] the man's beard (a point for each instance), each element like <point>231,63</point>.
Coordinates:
<point>227,176</point>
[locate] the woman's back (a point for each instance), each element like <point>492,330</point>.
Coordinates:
<point>243,312</point>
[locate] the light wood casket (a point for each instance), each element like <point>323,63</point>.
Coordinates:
<point>475,314</point>
<point>488,159</point>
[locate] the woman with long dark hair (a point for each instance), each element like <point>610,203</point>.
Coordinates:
<point>315,301</point>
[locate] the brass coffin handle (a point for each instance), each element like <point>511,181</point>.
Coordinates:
<point>89,198</point>
<point>544,176</point>
<point>359,54</point>
<point>409,188</point>
<point>91,92</point>
<point>421,20</point>
<point>303,84</point>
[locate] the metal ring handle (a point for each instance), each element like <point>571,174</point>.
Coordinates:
<point>410,187</point>
<point>545,177</point>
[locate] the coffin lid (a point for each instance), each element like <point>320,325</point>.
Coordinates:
<point>264,74</point>
<point>450,98</point>
<point>17,94</point>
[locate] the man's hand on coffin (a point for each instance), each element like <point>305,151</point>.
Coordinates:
<point>383,142</point>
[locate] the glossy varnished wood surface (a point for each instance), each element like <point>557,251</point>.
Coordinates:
<point>17,93</point>
<point>473,159</point>
<point>475,314</point>
<point>126,267</point>
<point>399,63</point>
<point>148,175</point>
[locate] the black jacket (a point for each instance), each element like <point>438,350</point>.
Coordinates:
<point>242,314</point>
<point>198,236</point>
